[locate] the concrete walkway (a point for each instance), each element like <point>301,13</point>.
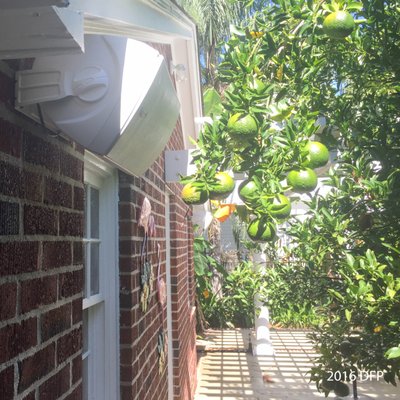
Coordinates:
<point>235,373</point>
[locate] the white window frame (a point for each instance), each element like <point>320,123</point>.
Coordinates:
<point>101,175</point>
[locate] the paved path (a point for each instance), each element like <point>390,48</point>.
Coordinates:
<point>237,374</point>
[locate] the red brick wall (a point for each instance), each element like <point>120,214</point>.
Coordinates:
<point>41,226</point>
<point>140,378</point>
<point>41,268</point>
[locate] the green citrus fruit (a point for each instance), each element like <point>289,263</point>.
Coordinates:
<point>338,25</point>
<point>317,155</point>
<point>248,191</point>
<point>280,207</point>
<point>341,389</point>
<point>223,188</point>
<point>261,230</point>
<point>303,180</point>
<point>242,125</point>
<point>193,195</point>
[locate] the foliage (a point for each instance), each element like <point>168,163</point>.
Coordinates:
<point>233,304</point>
<point>348,93</point>
<point>291,297</point>
<point>238,293</point>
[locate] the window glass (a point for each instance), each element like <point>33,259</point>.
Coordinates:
<point>94,269</point>
<point>94,213</point>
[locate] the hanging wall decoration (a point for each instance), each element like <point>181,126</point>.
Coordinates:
<point>146,221</point>
<point>162,350</point>
<point>161,287</point>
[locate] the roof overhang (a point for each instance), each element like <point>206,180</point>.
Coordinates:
<point>157,21</point>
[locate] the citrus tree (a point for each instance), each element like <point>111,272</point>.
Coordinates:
<point>300,77</point>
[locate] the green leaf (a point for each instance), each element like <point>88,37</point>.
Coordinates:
<point>354,5</point>
<point>235,30</point>
<point>393,352</point>
<point>348,315</point>
<point>390,293</point>
<point>212,102</point>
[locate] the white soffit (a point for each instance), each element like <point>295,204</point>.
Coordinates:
<point>32,3</point>
<point>140,20</point>
<point>31,32</point>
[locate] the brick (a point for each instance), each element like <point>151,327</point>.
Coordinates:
<point>56,254</point>
<point>76,369</point>
<point>126,194</point>
<point>32,186</point>
<point>55,321</point>
<point>40,152</point>
<point>71,283</point>
<point>77,253</point>
<point>71,224</point>
<point>69,344</point>
<point>127,211</point>
<point>18,257</point>
<point>7,383</point>
<point>76,394</point>
<point>10,180</point>
<point>38,292</point>
<point>35,367</point>
<point>57,193</point>
<point>8,301</point>
<point>30,396</point>
<point>9,218</point>
<point>125,178</point>
<point>17,338</point>
<point>39,220</point>
<point>55,386</point>
<point>71,167</point>
<point>10,138</point>
<point>77,311</point>
<point>79,198</point>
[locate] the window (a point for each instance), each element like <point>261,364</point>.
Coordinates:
<point>100,313</point>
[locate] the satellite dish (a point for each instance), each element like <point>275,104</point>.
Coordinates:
<point>117,99</point>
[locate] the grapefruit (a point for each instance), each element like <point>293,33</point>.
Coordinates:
<point>242,125</point>
<point>223,188</point>
<point>193,195</point>
<point>303,180</point>
<point>338,25</point>
<point>262,230</point>
<point>317,155</point>
<point>248,191</point>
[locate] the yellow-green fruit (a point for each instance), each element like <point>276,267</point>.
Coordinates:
<point>193,195</point>
<point>223,188</point>
<point>317,155</point>
<point>303,180</point>
<point>280,207</point>
<point>261,230</point>
<point>248,191</point>
<point>242,125</point>
<point>338,25</point>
